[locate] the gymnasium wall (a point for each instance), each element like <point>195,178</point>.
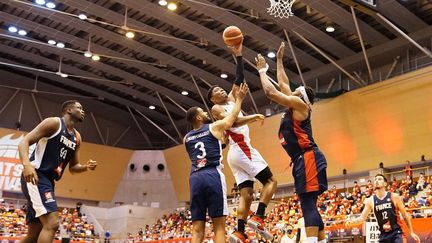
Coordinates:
<point>98,185</point>
<point>387,122</point>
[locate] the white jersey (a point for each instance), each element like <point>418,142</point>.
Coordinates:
<point>237,135</point>
<point>245,161</point>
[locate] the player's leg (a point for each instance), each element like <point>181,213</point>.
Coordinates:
<point>50,223</point>
<point>198,228</point>
<point>198,207</point>
<point>217,202</point>
<point>219,229</point>
<point>34,228</point>
<point>311,215</point>
<point>42,207</point>
<point>269,187</point>
<point>245,201</point>
<point>245,185</point>
<point>33,223</point>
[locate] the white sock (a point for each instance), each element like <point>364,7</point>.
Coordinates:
<point>322,241</point>
<point>312,239</point>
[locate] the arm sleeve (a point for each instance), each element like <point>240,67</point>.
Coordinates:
<point>239,71</point>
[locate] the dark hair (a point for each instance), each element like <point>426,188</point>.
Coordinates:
<point>310,94</point>
<point>379,174</point>
<point>210,93</point>
<point>68,104</point>
<point>191,114</point>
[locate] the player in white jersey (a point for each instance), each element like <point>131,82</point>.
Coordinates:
<point>246,162</point>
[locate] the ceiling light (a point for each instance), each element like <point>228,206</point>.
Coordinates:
<point>224,75</point>
<point>152,107</point>
<point>130,34</point>
<point>52,42</point>
<point>22,32</point>
<point>40,2</point>
<point>63,75</point>
<point>50,5</point>
<point>60,45</point>
<point>163,2</point>
<point>88,54</point>
<point>172,6</point>
<point>271,54</point>
<point>184,92</point>
<point>82,16</point>
<point>330,29</point>
<point>95,58</point>
<point>13,29</point>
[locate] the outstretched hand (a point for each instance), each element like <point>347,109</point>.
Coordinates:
<point>237,49</point>
<point>241,92</point>
<point>280,52</point>
<point>261,63</point>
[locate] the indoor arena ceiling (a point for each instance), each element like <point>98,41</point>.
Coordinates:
<point>172,49</point>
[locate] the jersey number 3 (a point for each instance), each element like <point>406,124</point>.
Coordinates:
<point>200,146</point>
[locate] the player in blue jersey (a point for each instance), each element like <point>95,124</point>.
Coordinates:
<point>386,207</point>
<point>295,135</point>
<point>57,144</point>
<point>207,182</point>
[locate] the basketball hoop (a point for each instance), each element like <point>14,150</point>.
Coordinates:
<point>281,8</point>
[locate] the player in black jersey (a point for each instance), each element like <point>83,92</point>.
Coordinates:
<point>57,144</point>
<point>207,181</point>
<point>386,207</point>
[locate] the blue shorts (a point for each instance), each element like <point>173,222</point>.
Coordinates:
<point>40,198</point>
<point>208,192</point>
<point>394,236</point>
<point>309,172</point>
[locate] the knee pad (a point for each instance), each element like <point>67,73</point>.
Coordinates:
<point>245,184</point>
<point>264,176</point>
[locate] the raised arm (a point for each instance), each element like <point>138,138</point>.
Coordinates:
<point>282,77</point>
<point>45,129</point>
<point>219,113</point>
<point>275,95</point>
<point>405,215</point>
<point>237,50</point>
<point>220,126</point>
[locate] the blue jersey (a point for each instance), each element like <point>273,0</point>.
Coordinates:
<point>52,154</point>
<point>386,213</point>
<point>296,136</point>
<point>203,148</point>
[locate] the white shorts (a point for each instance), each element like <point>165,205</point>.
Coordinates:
<point>245,164</point>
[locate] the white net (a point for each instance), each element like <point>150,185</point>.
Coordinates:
<point>281,8</point>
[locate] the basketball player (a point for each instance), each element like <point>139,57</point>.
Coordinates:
<point>386,207</point>
<point>246,162</point>
<point>57,144</point>
<point>295,135</point>
<point>207,182</point>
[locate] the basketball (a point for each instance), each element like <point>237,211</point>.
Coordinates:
<point>232,36</point>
